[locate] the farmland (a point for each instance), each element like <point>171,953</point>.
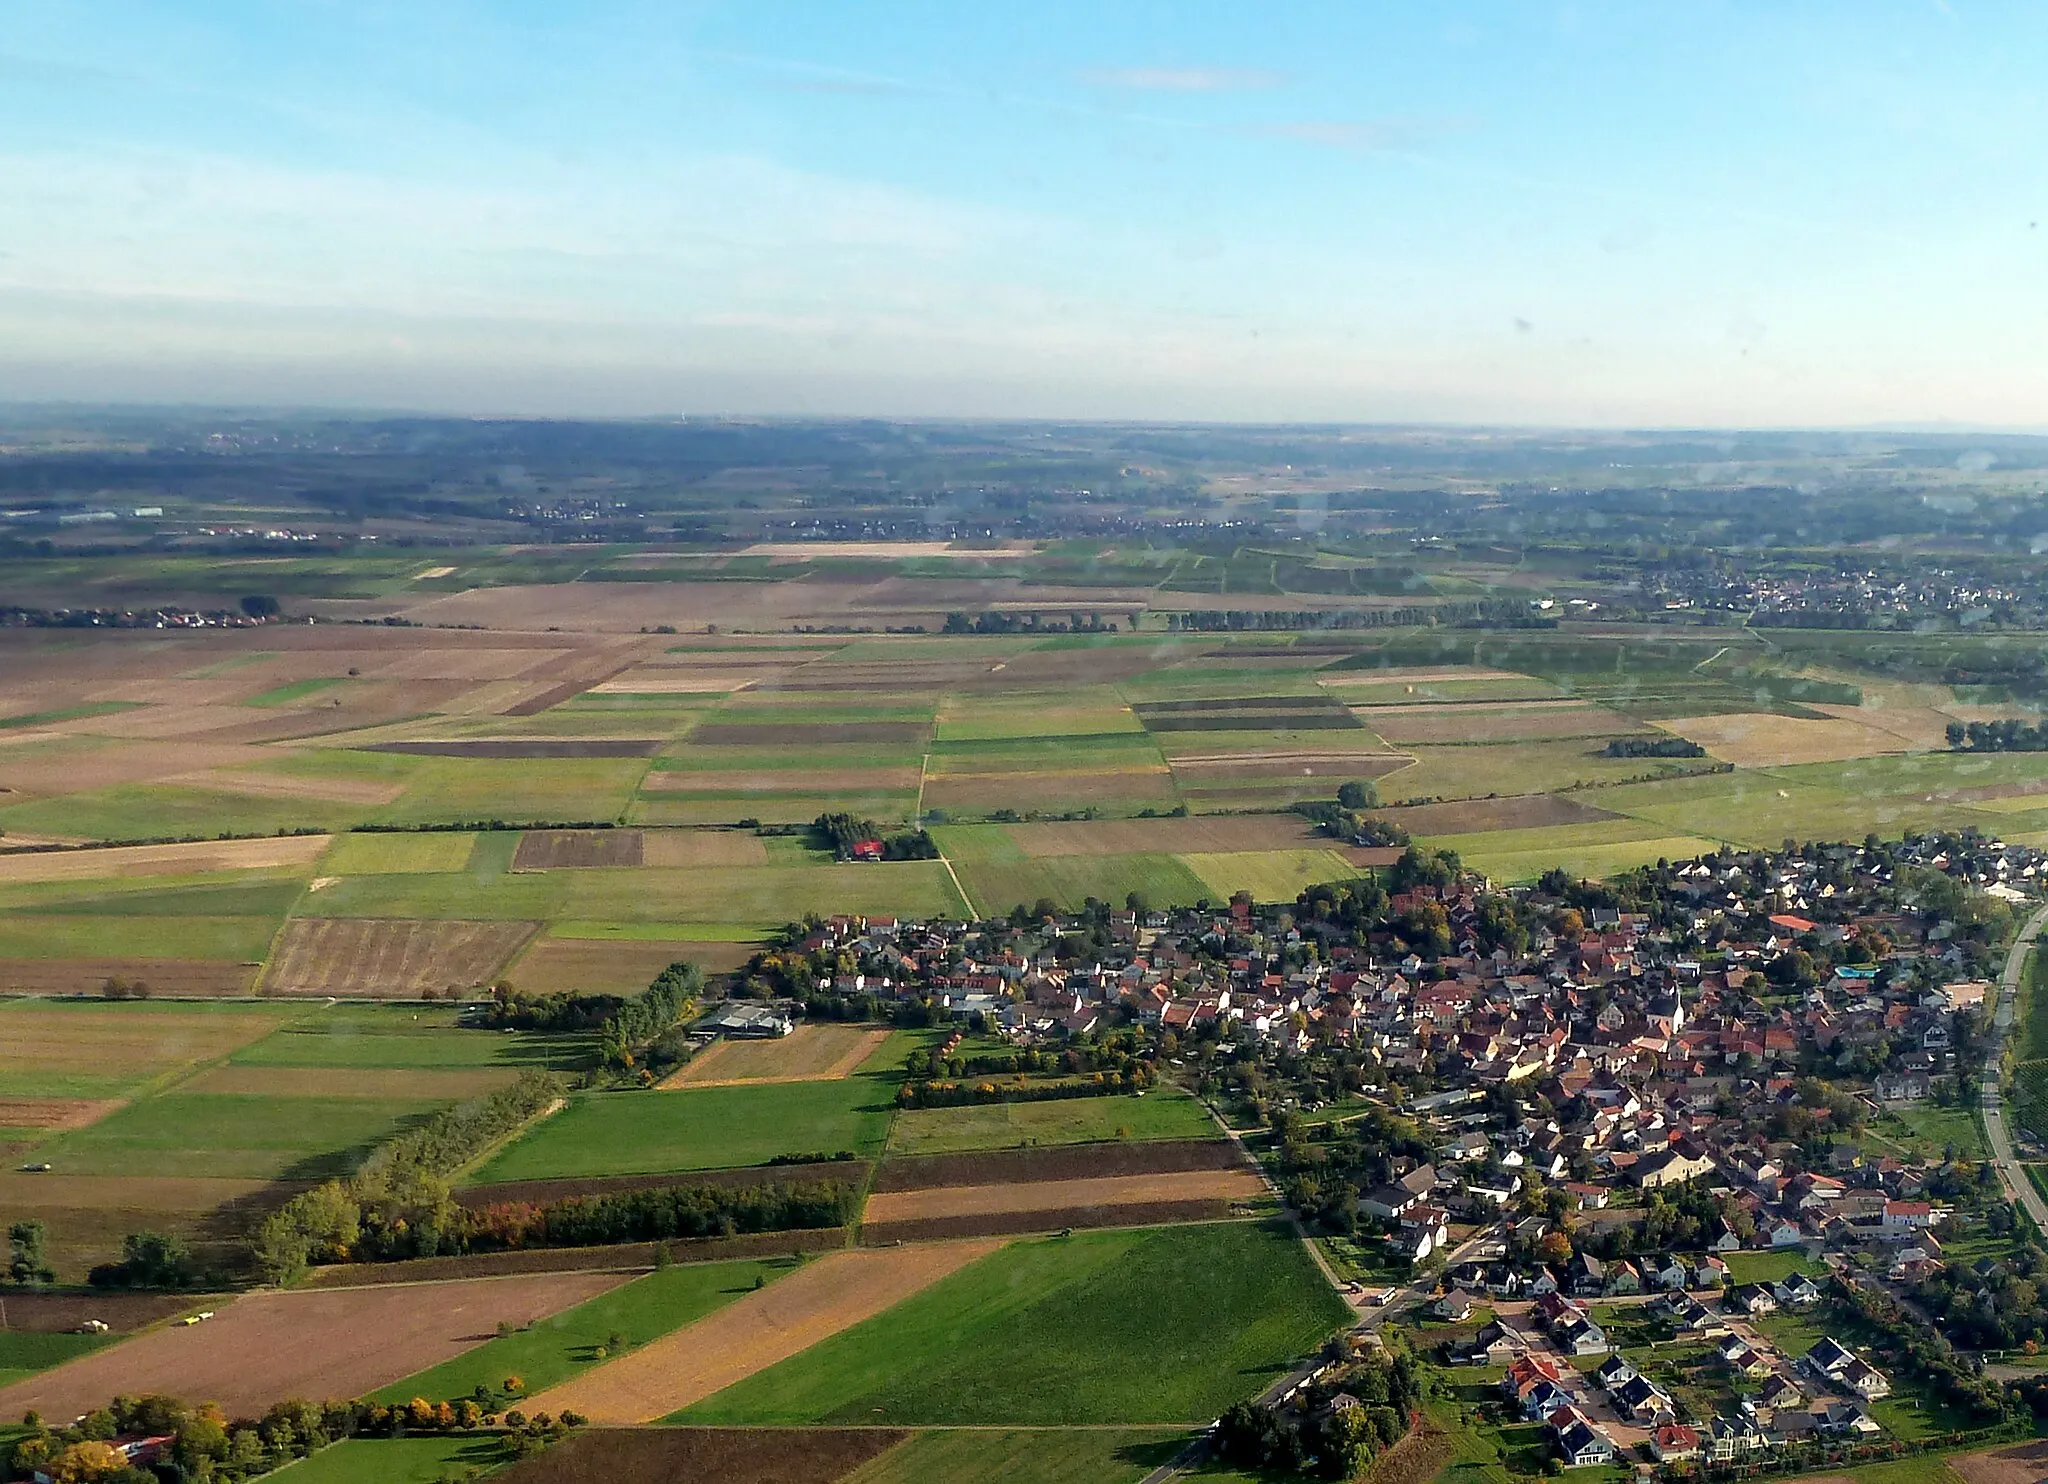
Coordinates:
<point>1164,1114</point>
<point>1162,1325</point>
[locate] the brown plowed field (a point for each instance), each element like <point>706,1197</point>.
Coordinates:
<point>608,966</point>
<point>1139,836</point>
<point>809,780</point>
<point>1069,1162</point>
<point>59,1313</point>
<point>451,1083</point>
<point>1022,1223</point>
<point>550,850</point>
<point>540,1192</point>
<point>628,1257</point>
<point>162,860</point>
<point>1176,1188</point>
<point>811,1053</point>
<point>265,1347</point>
<point>787,1317</point>
<point>54,1113</point>
<point>21,1191</point>
<point>388,958</point>
<point>1474,816</point>
<point>688,848</point>
<point>175,977</point>
<point>730,1455</point>
<point>2023,1463</point>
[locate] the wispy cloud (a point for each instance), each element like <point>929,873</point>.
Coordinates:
<point>1363,136</point>
<point>1185,79</point>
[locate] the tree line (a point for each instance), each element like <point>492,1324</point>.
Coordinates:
<point>2010,735</point>
<point>676,1212</point>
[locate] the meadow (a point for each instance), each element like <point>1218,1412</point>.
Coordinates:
<point>1163,1113</point>
<point>706,1128</point>
<point>1166,1325</point>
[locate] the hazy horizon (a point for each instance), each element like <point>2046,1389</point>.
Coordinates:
<point>1588,216</point>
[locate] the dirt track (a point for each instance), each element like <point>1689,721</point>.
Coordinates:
<point>832,1294</point>
<point>266,1347</point>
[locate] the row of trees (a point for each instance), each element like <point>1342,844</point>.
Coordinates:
<point>398,1204</point>
<point>1653,747</point>
<point>207,1447</point>
<point>677,1212</point>
<point>942,1094</point>
<point>2009,735</point>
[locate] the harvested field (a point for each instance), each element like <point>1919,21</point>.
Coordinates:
<point>161,860</point>
<point>265,1347</point>
<point>630,1257</point>
<point>789,1316</point>
<point>2022,1463</point>
<point>1477,816</point>
<point>540,1192</point>
<point>1181,1187</point>
<point>811,1053</point>
<point>389,958</point>
<point>808,780</point>
<point>59,1191</point>
<point>980,792</point>
<point>807,734</point>
<point>54,1113</point>
<point>122,1043</point>
<point>1171,836</point>
<point>527,747</point>
<point>1405,725</point>
<point>1225,769</point>
<point>1075,1162</point>
<point>1048,1219</point>
<point>550,850</point>
<point>604,966</point>
<point>362,791</point>
<point>682,849</point>
<point>177,977</point>
<point>1320,719</point>
<point>1757,739</point>
<point>455,1084</point>
<point>731,1455</point>
<point>61,1313</point>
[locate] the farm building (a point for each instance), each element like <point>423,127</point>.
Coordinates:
<point>754,1022</point>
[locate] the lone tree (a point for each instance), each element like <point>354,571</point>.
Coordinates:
<point>28,1253</point>
<point>1357,794</point>
<point>261,605</point>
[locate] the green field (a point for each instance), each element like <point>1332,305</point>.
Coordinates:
<point>114,934</point>
<point>400,1036</point>
<point>173,811</point>
<point>1769,1267</point>
<point>556,1348</point>
<point>765,896</point>
<point>1583,861</point>
<point>294,690</point>
<point>24,1352</point>
<point>1269,875</point>
<point>380,855</point>
<point>707,1128</point>
<point>994,1456</point>
<point>396,1460</point>
<point>233,1135</point>
<point>1168,1325</point>
<point>1069,880</point>
<point>1929,1129</point>
<point>1163,1113</point>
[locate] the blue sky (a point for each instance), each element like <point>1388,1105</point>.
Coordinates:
<point>1644,213</point>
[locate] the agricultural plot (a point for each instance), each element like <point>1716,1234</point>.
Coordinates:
<point>1048,1205</point>
<point>660,1455</point>
<point>404,1037</point>
<point>1068,881</point>
<point>1163,1113</point>
<point>448,790</point>
<point>1588,859</point>
<point>264,1347</point>
<point>1521,721</point>
<point>389,958</point>
<point>1031,1456</point>
<point>400,1460</point>
<point>1169,1325</point>
<point>195,859</point>
<point>563,1344</point>
<point>706,1128</point>
<point>101,1050</point>
<point>1269,875</point>
<point>242,1136</point>
<point>811,1053</point>
<point>394,855</point>
<point>553,965</point>
<point>819,1300</point>
<point>762,896</point>
<point>1764,809</point>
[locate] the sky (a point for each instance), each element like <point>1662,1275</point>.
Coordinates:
<point>1664,214</point>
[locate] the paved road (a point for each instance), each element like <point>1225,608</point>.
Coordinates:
<point>2017,1187</point>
